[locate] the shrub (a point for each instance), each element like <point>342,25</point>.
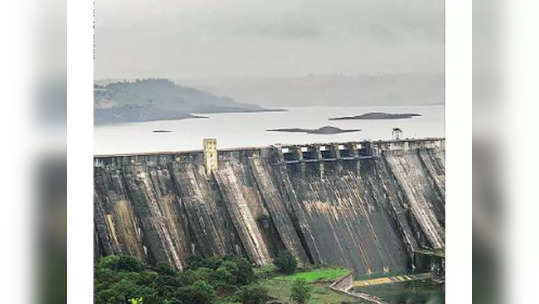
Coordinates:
<point>230,266</point>
<point>202,274</point>
<point>253,294</point>
<point>241,269</point>
<point>300,292</point>
<point>123,290</point>
<point>225,290</point>
<point>199,293</point>
<point>285,262</point>
<point>187,277</point>
<point>213,262</point>
<point>124,279</point>
<point>165,269</point>
<point>265,272</point>
<point>223,275</point>
<point>194,262</point>
<point>166,285</point>
<point>121,263</point>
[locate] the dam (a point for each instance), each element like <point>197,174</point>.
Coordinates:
<point>376,207</point>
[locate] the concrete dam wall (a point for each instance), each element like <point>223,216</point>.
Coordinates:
<point>368,206</point>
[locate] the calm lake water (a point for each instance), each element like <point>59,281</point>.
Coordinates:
<point>415,292</point>
<point>249,129</point>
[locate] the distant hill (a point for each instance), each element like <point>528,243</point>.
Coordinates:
<point>403,89</point>
<point>158,99</point>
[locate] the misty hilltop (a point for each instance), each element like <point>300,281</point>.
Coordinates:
<point>158,99</point>
<point>403,89</point>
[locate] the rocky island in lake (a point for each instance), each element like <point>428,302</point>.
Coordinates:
<point>323,130</point>
<point>378,115</point>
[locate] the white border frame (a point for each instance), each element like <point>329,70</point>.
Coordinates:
<point>458,107</point>
<point>458,66</point>
<point>80,81</point>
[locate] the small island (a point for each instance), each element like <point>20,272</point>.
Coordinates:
<point>378,115</point>
<point>162,131</point>
<point>327,130</point>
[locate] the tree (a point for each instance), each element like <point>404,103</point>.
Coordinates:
<point>119,279</point>
<point>199,293</point>
<point>285,262</point>
<point>243,272</point>
<point>123,291</point>
<point>127,280</point>
<point>121,263</point>
<point>165,269</point>
<point>300,292</point>
<point>223,275</point>
<point>253,294</point>
<point>194,262</point>
<point>213,262</point>
<point>166,285</point>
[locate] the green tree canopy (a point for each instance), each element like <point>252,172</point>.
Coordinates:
<point>199,293</point>
<point>126,280</point>
<point>253,294</point>
<point>285,262</point>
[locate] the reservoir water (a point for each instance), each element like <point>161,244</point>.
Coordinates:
<point>249,129</point>
<point>415,292</point>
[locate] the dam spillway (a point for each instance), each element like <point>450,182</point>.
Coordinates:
<point>368,206</point>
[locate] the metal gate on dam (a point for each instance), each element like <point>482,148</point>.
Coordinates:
<point>371,206</point>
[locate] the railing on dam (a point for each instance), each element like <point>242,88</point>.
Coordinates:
<point>294,154</point>
<point>324,152</point>
<point>289,154</point>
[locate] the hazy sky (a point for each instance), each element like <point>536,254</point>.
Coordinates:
<point>184,39</point>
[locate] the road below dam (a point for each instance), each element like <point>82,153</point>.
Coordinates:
<point>370,206</point>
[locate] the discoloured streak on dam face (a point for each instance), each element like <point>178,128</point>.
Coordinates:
<point>369,206</point>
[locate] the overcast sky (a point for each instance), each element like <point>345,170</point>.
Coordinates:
<point>197,39</point>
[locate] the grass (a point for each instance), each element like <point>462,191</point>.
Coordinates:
<point>316,275</point>
<point>319,281</point>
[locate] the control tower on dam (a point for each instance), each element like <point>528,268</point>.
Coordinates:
<point>371,206</point>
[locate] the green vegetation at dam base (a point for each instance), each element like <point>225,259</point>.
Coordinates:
<point>215,280</point>
<point>318,281</point>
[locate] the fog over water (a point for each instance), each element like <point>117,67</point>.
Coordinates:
<point>249,129</point>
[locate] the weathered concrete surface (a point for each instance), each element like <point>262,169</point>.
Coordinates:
<point>368,209</point>
<point>209,226</point>
<point>276,207</point>
<point>347,221</point>
<point>426,203</point>
<point>242,217</point>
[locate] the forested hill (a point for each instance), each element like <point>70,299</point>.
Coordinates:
<point>157,99</point>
